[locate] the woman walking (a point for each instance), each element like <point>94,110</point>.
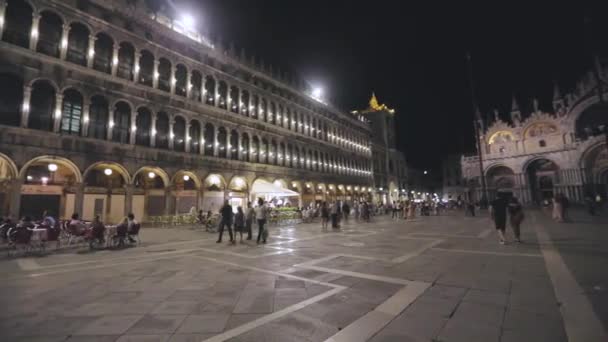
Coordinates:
<point>516,216</point>
<point>239,222</point>
<point>557,209</point>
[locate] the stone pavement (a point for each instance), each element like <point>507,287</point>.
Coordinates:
<point>432,279</point>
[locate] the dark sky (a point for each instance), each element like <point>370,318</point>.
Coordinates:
<point>413,56</point>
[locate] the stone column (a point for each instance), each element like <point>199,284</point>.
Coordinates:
<point>2,16</point>
<point>133,132</point>
<point>15,198</point>
<point>129,190</point>
<point>169,210</point>
<point>228,146</point>
<point>115,49</point>
<point>86,109</point>
<point>215,142</point>
<point>239,150</point>
<point>136,66</point>
<point>63,50</point>
<point>172,79</point>
<point>57,113</point>
<point>171,135</point>
<point>155,74</point>
<point>91,52</point>
<point>187,137</point>
<point>25,106</point>
<point>110,122</point>
<point>188,84</point>
<point>153,131</point>
<point>34,33</point>
<point>79,198</point>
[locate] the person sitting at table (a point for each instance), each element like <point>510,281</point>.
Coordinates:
<point>76,226</point>
<point>98,229</point>
<point>48,221</point>
<point>133,227</point>
<point>123,227</point>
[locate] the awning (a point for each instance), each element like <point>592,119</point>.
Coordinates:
<point>265,188</point>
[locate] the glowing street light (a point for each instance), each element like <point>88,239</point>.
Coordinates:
<point>107,172</point>
<point>317,93</point>
<point>188,21</point>
<point>52,167</point>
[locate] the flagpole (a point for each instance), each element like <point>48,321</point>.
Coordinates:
<point>476,123</point>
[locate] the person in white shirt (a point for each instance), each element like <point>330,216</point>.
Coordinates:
<point>260,215</point>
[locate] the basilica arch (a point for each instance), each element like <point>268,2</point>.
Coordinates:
<point>543,176</point>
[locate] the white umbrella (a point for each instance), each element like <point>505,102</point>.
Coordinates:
<point>265,188</point>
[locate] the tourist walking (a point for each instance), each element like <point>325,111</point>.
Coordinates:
<point>345,211</point>
<point>516,216</point>
<point>261,214</point>
<point>356,210</point>
<point>498,213</point>
<point>324,216</point>
<point>335,212</point>
<point>394,210</point>
<point>226,221</point>
<point>249,214</point>
<point>411,213</point>
<point>557,209</point>
<point>239,222</point>
<point>565,206</point>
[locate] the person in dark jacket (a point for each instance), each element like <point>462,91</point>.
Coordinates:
<point>226,221</point>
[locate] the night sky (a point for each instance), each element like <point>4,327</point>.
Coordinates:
<point>413,56</point>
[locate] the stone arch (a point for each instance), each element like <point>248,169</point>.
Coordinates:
<point>542,176</point>
<point>18,22</point>
<point>11,98</point>
<point>157,172</point>
<point>8,168</point>
<point>115,167</point>
<point>52,160</point>
<point>191,176</point>
<point>215,180</point>
<point>238,183</point>
<point>104,51</point>
<point>50,31</point>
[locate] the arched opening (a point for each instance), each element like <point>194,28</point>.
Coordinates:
<point>179,134</point>
<point>162,130</point>
<point>595,164</point>
<point>71,113</point>
<point>98,117</point>
<point>50,29</point>
<point>234,145</point>
<point>196,82</point>
<point>222,137</point>
<point>185,191</point>
<point>237,195</point>
<point>104,193</point>
<point>234,99</point>
<point>126,61</point>
<point>255,106</point>
<point>213,194</point>
<point>104,48</point>
<point>181,76</point>
<point>143,124</point>
<point>42,105</point>
<point>8,172</point>
<point>122,122</point>
<point>78,44</point>
<point>296,157</point>
<point>164,74</point>
<point>222,95</point>
<point>209,139</point>
<point>281,154</point>
<point>210,90</point>
<point>255,150</point>
<point>289,158</point>
<point>17,23</point>
<point>146,68</point>
<point>11,99</point>
<point>500,179</point>
<point>280,117</point>
<point>542,176</point>
<point>315,161</point>
<point>150,192</point>
<point>49,183</point>
<point>195,137</point>
<point>589,122</point>
<point>245,103</point>
<point>245,147</point>
<point>288,121</point>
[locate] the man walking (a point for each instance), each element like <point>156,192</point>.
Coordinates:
<point>249,214</point>
<point>226,221</point>
<point>498,212</point>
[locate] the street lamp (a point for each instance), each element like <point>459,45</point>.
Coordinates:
<point>52,167</point>
<point>188,21</point>
<point>107,172</point>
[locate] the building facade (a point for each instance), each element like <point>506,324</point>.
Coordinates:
<point>389,165</point>
<point>545,154</point>
<point>109,108</point>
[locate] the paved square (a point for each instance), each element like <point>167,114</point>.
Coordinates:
<point>432,279</point>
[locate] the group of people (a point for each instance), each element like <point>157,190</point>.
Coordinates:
<point>507,206</point>
<point>242,221</point>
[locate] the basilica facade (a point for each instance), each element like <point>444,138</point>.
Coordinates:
<point>109,107</point>
<point>539,154</point>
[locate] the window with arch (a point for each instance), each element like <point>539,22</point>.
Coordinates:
<point>11,99</point>
<point>50,29</point>
<point>209,139</point>
<point>78,44</point>
<point>164,75</point>
<point>104,48</point>
<point>17,23</point>
<point>42,104</point>
<point>162,130</point>
<point>179,134</point>
<point>126,61</point>
<point>234,145</point>
<point>195,136</point>
<point>71,113</point>
<point>143,124</point>
<point>245,147</point>
<point>181,76</point>
<point>146,68</point>
<point>122,122</point>
<point>98,117</point>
